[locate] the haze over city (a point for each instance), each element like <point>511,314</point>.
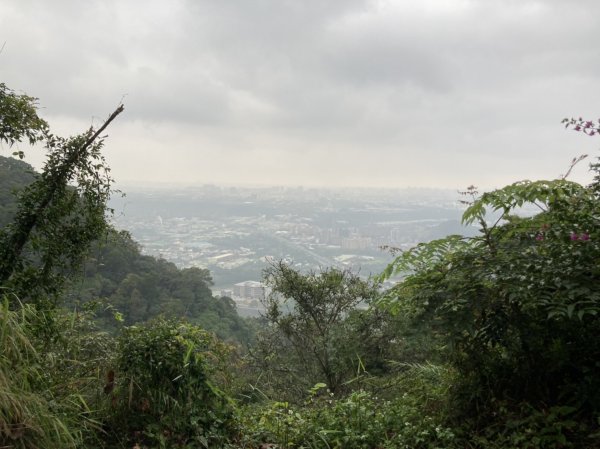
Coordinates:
<point>340,93</point>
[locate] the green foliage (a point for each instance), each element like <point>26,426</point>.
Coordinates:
<point>527,428</point>
<point>28,417</point>
<point>19,119</point>
<point>50,378</point>
<point>14,176</point>
<point>543,194</point>
<point>308,340</point>
<point>424,255</point>
<point>361,419</point>
<point>143,287</point>
<point>517,306</point>
<point>55,222</point>
<point>48,375</point>
<point>165,393</point>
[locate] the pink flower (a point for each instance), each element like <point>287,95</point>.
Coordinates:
<point>539,237</point>
<point>585,236</point>
<point>574,237</point>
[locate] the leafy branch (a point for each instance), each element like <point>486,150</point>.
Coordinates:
<point>56,223</point>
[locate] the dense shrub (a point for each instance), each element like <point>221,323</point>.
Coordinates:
<point>413,419</point>
<point>164,391</point>
<point>517,308</point>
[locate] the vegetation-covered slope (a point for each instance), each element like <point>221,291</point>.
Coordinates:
<point>139,287</point>
<point>14,175</point>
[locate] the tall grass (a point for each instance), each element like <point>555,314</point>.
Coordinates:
<point>28,415</point>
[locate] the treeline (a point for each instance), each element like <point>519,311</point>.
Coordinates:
<point>14,176</point>
<point>143,287</point>
<point>484,342</point>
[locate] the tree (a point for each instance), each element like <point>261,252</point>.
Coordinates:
<point>61,213</point>
<point>307,312</point>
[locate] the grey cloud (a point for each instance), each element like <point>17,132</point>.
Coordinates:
<point>438,82</point>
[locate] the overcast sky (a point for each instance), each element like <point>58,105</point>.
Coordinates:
<point>441,93</point>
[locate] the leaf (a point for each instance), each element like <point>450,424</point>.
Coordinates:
<point>516,195</point>
<point>570,309</point>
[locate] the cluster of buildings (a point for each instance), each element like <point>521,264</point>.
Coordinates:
<point>232,232</point>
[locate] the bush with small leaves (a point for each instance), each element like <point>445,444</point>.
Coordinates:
<point>165,393</point>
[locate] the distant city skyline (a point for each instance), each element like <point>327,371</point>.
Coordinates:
<point>235,232</point>
<point>343,93</point>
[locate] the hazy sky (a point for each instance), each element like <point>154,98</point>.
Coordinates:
<point>441,93</point>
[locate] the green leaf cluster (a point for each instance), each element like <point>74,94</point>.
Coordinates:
<point>164,394</point>
<point>19,119</point>
<point>517,306</point>
<point>312,327</point>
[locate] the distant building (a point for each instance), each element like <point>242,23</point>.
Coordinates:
<point>356,243</point>
<point>227,293</point>
<point>249,290</point>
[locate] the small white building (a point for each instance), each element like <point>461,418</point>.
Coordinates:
<point>249,290</point>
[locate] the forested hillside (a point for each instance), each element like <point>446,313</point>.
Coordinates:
<point>14,175</point>
<point>139,287</point>
<point>486,342</point>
